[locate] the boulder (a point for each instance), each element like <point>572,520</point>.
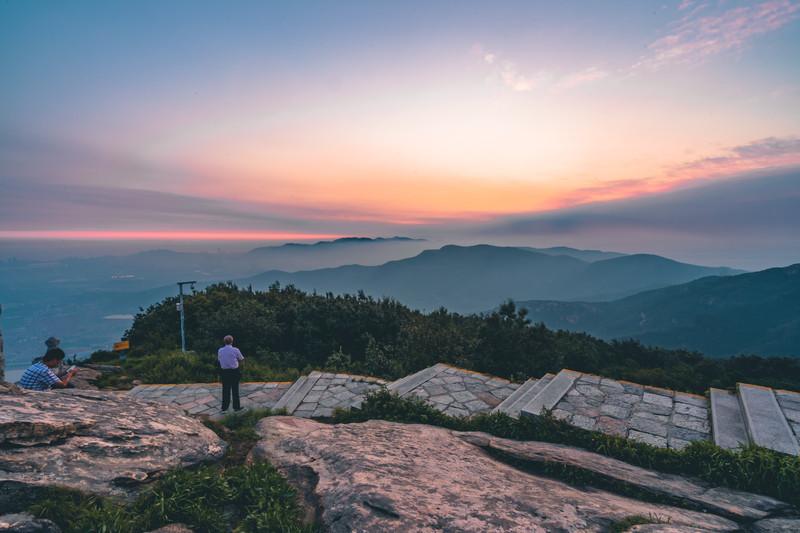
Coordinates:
<point>385,476</point>
<point>98,442</point>
<point>85,378</point>
<point>25,523</point>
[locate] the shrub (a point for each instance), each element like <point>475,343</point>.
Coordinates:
<point>177,367</point>
<point>285,328</point>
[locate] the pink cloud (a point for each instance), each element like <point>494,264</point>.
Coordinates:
<point>770,152</point>
<point>694,39</point>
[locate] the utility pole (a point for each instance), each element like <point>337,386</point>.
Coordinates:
<point>180,308</point>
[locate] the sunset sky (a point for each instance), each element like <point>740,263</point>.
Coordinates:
<point>292,120</point>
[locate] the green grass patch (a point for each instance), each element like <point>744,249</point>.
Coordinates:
<point>209,499</point>
<point>751,469</point>
<point>636,520</point>
<point>238,430</point>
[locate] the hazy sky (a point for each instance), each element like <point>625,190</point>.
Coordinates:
<point>298,119</point>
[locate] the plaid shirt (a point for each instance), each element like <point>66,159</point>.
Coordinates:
<point>38,377</point>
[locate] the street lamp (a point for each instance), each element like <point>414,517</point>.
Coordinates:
<point>180,308</point>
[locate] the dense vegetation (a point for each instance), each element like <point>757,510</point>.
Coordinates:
<point>752,469</point>
<point>283,330</point>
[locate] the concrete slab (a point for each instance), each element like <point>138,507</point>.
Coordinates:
<point>514,409</point>
<point>552,393</point>
<point>405,385</point>
<point>727,420</point>
<point>766,425</point>
<point>291,394</point>
<point>506,406</point>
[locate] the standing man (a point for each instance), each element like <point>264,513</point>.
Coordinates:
<point>229,359</point>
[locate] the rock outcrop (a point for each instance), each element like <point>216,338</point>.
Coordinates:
<point>25,523</point>
<point>384,476</point>
<point>738,505</point>
<point>98,442</point>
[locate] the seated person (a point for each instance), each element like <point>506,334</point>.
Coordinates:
<point>40,376</point>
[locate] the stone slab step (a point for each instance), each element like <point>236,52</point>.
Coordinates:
<point>405,385</point>
<point>766,424</point>
<point>532,387</point>
<point>294,396</point>
<point>727,420</point>
<point>551,394</point>
<point>506,405</point>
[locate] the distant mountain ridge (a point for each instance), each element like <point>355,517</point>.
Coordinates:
<point>475,278</point>
<point>70,297</point>
<point>583,255</point>
<point>335,242</point>
<point>756,312</point>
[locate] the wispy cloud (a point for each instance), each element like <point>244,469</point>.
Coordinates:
<point>695,38</point>
<point>587,75</point>
<point>761,153</point>
<point>767,153</point>
<point>513,79</point>
<point>510,74</point>
<point>750,220</point>
<point>505,70</point>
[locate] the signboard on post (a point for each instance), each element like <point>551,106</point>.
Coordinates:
<point>121,346</point>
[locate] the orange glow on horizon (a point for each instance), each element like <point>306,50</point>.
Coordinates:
<point>91,235</point>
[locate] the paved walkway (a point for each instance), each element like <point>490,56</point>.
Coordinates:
<point>652,415</point>
<point>455,391</point>
<point>656,416</point>
<point>206,398</point>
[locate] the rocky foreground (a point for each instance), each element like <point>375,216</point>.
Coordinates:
<point>97,442</point>
<point>384,476</point>
<point>373,476</point>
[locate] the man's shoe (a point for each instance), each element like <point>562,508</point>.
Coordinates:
<point>239,409</point>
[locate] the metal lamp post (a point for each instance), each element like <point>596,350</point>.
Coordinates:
<point>180,308</point>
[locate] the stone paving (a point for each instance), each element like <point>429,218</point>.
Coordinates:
<point>460,392</point>
<point>652,415</point>
<point>659,417</point>
<point>206,398</point>
<point>790,405</point>
<point>331,391</point>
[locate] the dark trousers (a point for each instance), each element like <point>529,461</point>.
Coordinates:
<point>230,387</point>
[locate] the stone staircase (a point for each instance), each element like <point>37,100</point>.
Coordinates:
<point>660,417</point>
<point>758,415</point>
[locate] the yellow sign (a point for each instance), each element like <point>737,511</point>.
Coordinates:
<point>122,345</point>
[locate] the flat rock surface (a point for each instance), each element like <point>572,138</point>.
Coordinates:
<point>384,476</point>
<point>736,504</point>
<point>99,442</point>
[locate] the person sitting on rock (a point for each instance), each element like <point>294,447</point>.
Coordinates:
<point>40,376</point>
<point>61,370</point>
<point>229,358</point>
